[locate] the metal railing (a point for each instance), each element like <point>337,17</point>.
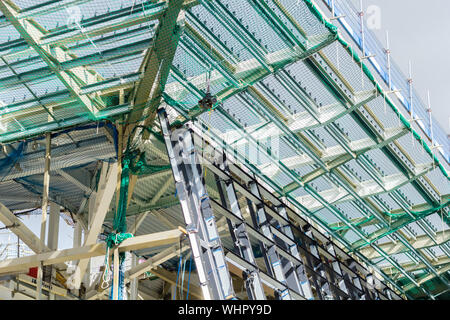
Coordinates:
<point>394,78</point>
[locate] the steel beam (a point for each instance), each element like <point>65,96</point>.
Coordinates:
<point>156,66</point>
<point>32,33</point>
<point>207,250</point>
<point>88,251</point>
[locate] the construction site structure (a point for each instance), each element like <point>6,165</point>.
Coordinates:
<point>217,150</point>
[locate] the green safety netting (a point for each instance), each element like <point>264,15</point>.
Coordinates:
<point>235,120</point>
<point>289,90</point>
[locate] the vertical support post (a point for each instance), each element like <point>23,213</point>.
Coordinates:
<point>46,188</point>
<point>77,235</point>
<point>119,160</point>
<point>18,256</point>
<point>91,209</point>
<point>430,118</point>
<point>271,257</point>
<point>363,40</point>
<point>361,21</point>
<point>39,281</point>
<point>239,234</point>
<point>387,51</point>
<point>207,250</point>
<point>321,285</point>
<point>134,282</point>
<point>77,240</point>
<point>45,192</point>
<point>388,60</point>
<point>410,87</point>
<point>53,228</point>
<point>91,213</point>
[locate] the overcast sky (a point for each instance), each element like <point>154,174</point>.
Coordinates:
<point>420,31</point>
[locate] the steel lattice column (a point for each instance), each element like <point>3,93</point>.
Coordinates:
<point>300,269</point>
<point>239,234</point>
<point>281,268</point>
<point>215,279</point>
<point>322,286</point>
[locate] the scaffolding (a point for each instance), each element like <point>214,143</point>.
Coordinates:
<point>249,135</point>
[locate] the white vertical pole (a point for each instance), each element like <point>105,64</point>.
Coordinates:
<point>363,40</point>
<point>45,192</point>
<point>53,233</point>
<point>361,19</point>
<point>134,282</point>
<point>388,55</point>
<point>87,276</point>
<point>430,119</point>
<point>77,235</point>
<point>18,256</point>
<point>410,81</point>
<point>39,282</point>
<point>53,229</point>
<point>116,274</point>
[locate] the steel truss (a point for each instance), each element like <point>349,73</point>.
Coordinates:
<point>207,250</point>
<point>299,261</point>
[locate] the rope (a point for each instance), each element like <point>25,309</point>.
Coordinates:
<point>178,274</point>
<point>13,158</point>
<point>182,277</point>
<point>106,274</point>
<point>189,278</point>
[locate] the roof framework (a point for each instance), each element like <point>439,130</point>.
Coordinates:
<point>295,104</point>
